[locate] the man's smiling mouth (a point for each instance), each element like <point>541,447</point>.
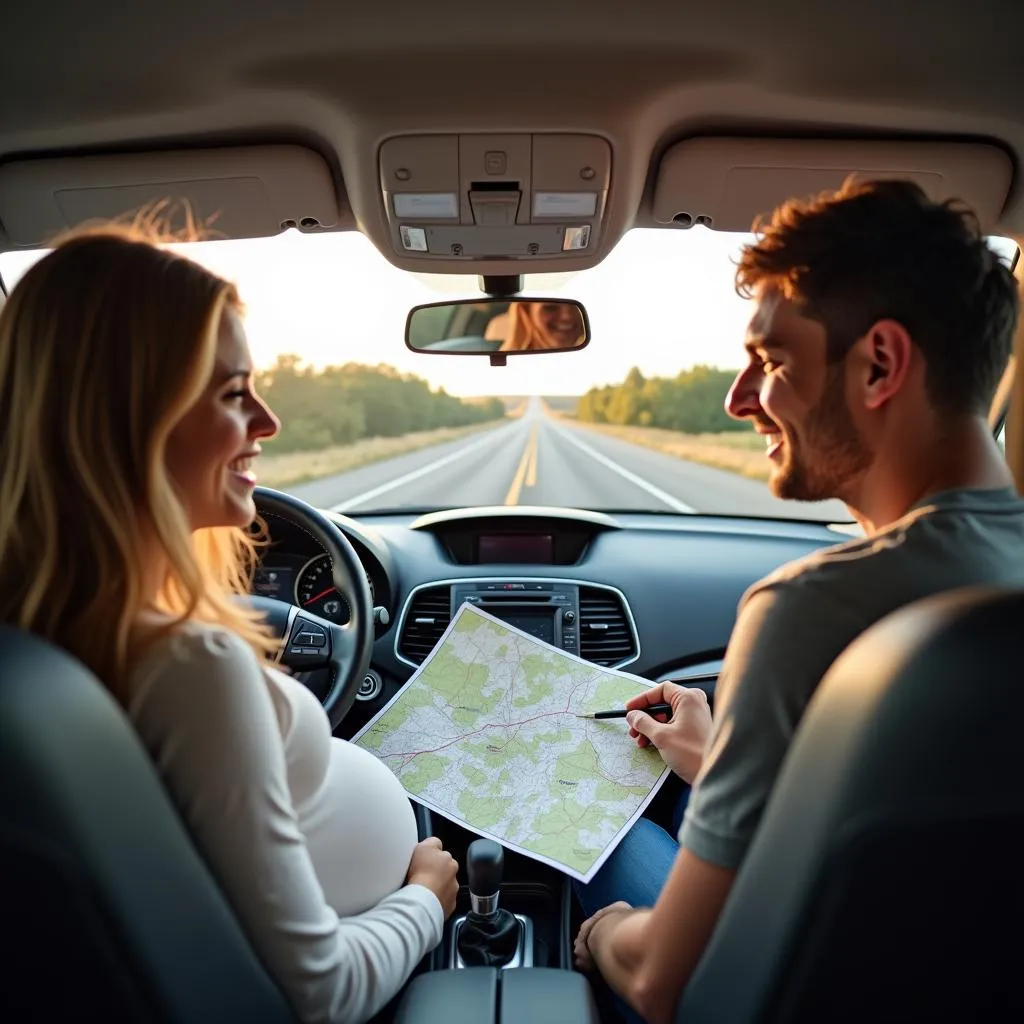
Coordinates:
<point>773,441</point>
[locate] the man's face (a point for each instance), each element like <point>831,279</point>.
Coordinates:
<point>798,402</point>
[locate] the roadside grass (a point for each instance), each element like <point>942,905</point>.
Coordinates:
<point>736,451</point>
<point>290,468</point>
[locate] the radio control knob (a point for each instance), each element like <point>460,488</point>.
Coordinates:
<point>569,615</point>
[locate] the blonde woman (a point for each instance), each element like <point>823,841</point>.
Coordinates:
<point>128,430</point>
<point>537,326</point>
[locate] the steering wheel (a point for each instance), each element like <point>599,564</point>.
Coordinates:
<point>309,641</point>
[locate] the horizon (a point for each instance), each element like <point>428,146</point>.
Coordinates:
<point>663,301</point>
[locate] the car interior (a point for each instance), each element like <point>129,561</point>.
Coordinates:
<point>497,144</point>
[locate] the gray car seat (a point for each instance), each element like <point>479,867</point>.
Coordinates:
<point>887,880</point>
<point>108,912</point>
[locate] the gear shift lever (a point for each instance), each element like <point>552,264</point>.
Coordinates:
<point>489,936</point>
<point>485,862</point>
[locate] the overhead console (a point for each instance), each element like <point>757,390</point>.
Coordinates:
<point>494,197</point>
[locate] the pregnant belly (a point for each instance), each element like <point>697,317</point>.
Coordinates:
<point>360,829</point>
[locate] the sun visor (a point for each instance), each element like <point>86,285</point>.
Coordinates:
<point>237,192</point>
<point>724,183</point>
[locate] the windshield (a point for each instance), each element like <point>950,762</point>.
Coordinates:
<point>633,422</point>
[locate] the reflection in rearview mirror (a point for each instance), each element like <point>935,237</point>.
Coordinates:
<point>490,326</point>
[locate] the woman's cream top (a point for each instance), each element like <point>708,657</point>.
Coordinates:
<point>309,836</point>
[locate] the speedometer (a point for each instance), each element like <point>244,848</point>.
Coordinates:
<point>316,593</point>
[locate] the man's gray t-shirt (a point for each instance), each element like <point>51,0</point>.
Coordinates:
<point>795,622</point>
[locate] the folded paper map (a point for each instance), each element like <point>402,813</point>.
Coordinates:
<point>485,733</point>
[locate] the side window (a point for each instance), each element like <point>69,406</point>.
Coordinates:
<point>1001,438</point>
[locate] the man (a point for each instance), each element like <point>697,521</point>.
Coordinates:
<point>882,326</point>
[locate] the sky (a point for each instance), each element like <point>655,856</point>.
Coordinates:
<point>663,300</point>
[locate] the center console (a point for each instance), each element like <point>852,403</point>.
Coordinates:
<point>488,995</point>
<point>500,967</point>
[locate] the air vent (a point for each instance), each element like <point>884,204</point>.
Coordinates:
<point>606,637</point>
<point>427,618</point>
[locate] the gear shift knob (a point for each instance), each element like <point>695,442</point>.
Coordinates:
<point>489,936</point>
<point>485,860</point>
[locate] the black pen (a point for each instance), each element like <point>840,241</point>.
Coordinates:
<point>651,709</point>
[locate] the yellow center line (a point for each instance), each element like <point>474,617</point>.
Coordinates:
<point>527,469</point>
<point>531,470</point>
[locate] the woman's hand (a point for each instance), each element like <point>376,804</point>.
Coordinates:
<point>435,868</point>
<point>681,741</point>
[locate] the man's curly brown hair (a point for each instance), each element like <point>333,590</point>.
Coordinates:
<point>883,250</point>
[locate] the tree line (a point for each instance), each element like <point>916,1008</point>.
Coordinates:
<point>691,402</point>
<point>342,404</point>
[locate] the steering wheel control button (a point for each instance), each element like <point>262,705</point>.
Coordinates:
<point>308,640</point>
<point>371,687</point>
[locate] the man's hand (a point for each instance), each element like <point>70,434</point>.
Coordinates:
<point>681,741</point>
<point>584,959</point>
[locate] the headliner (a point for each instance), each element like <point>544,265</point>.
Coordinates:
<point>80,78</point>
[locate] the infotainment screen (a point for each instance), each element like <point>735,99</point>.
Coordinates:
<point>516,548</point>
<point>542,625</point>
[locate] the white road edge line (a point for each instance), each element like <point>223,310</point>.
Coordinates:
<point>657,492</point>
<point>488,438</point>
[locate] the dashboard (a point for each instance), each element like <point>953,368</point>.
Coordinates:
<point>652,593</point>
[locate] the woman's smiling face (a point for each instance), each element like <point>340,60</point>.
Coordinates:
<point>211,451</point>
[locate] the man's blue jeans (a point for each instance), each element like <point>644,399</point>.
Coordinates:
<point>635,872</point>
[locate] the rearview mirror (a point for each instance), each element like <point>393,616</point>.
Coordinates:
<point>477,327</point>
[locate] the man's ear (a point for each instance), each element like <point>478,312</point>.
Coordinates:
<point>885,356</point>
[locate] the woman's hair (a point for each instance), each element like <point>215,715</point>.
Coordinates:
<point>105,344</point>
<point>523,333</point>
<point>519,329</point>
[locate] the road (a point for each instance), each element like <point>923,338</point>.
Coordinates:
<point>539,460</point>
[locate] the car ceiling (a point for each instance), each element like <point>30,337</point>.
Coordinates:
<point>83,78</point>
